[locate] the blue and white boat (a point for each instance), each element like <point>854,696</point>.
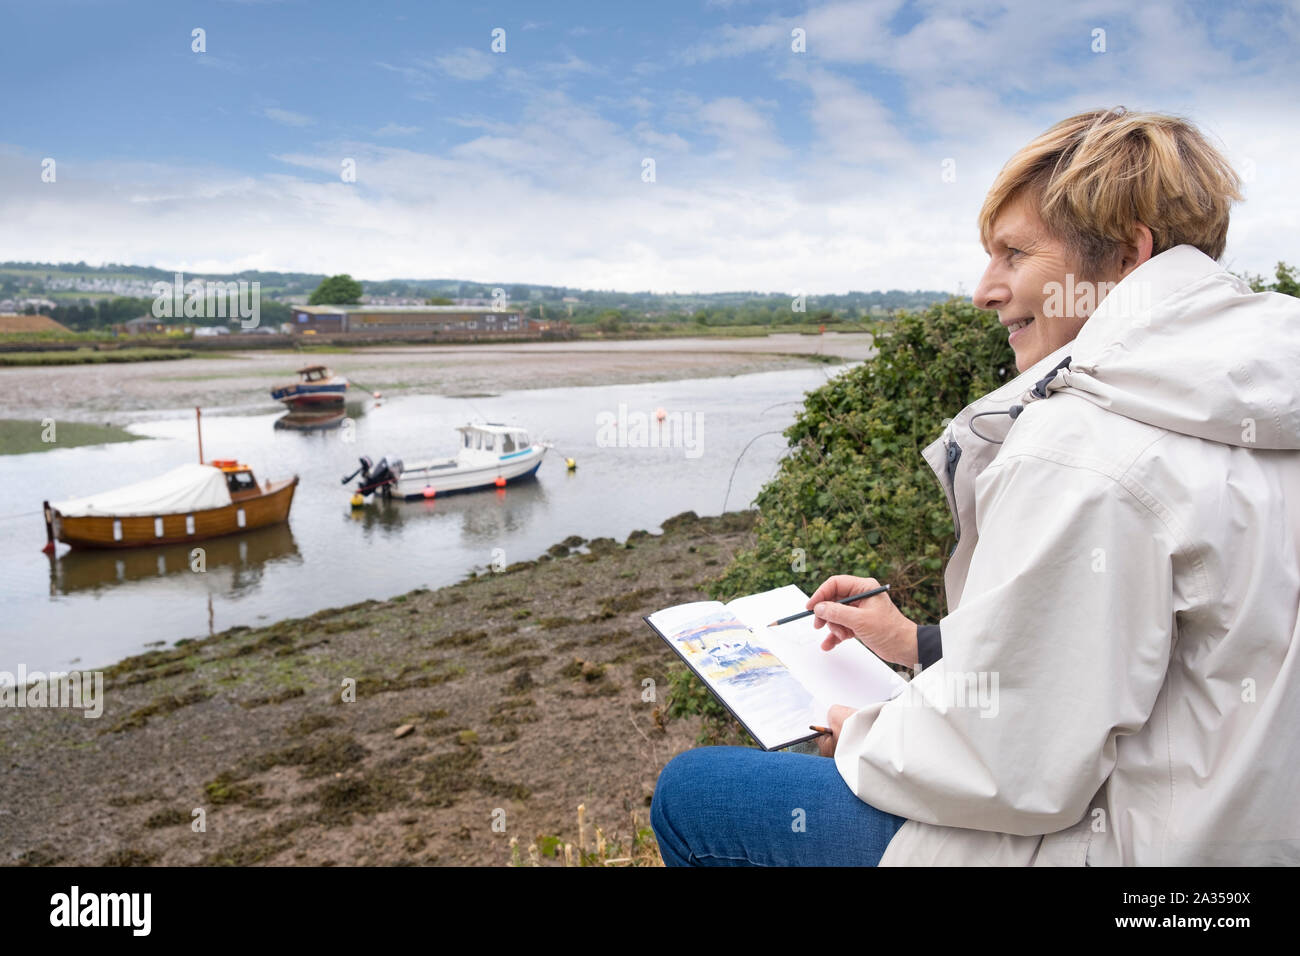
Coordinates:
<point>490,455</point>
<point>318,385</point>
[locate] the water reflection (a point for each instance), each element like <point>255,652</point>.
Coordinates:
<point>231,564</point>
<point>320,419</point>
<point>481,515</point>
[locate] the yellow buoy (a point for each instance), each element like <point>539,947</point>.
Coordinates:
<point>570,463</point>
<point>357,500</point>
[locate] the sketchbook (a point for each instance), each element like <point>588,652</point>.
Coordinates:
<point>776,681</point>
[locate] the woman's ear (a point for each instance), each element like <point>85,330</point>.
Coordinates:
<point>1136,251</point>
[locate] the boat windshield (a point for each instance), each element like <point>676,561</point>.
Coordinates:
<point>240,481</point>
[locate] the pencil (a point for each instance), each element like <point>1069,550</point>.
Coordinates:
<point>848,600</point>
<point>820,730</point>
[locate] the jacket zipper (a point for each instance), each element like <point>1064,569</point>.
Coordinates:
<point>953,454</point>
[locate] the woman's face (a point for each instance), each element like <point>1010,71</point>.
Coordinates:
<point>1023,262</point>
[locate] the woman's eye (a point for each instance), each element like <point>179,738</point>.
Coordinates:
<point>1014,252</point>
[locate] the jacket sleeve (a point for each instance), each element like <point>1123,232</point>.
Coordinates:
<point>929,645</point>
<point>1059,646</point>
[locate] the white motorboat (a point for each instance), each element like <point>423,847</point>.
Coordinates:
<point>490,455</point>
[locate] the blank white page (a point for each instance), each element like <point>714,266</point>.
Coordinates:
<point>847,674</point>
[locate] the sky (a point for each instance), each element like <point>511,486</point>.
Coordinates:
<point>857,162</point>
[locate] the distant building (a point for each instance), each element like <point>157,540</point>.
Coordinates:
<point>208,330</point>
<point>144,325</point>
<point>453,321</point>
<point>30,323</point>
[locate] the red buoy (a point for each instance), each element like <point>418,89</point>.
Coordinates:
<point>501,481</point>
<point>428,491</point>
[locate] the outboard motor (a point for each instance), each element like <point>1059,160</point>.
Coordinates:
<point>364,470</point>
<point>375,477</point>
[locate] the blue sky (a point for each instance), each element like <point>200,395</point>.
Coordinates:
<point>775,169</point>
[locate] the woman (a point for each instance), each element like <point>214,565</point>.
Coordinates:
<point>1127,574</point>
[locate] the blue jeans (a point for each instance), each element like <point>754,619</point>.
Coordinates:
<point>738,806</point>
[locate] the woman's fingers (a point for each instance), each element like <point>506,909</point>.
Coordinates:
<point>840,586</point>
<point>833,588</point>
<point>844,615</point>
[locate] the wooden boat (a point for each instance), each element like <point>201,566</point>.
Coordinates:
<point>190,503</point>
<point>490,455</point>
<point>317,385</point>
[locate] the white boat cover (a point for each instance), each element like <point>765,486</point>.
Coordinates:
<point>186,489</point>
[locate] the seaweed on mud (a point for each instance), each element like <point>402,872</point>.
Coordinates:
<point>308,723</point>
<point>165,704</point>
<point>129,856</point>
<point>523,660</point>
<point>366,794</point>
<point>169,817</point>
<point>461,638</point>
<point>277,698</point>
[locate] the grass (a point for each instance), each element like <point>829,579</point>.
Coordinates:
<point>92,356</point>
<point>23,438</point>
<point>642,851</point>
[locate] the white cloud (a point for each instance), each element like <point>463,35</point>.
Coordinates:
<point>825,178</point>
<point>466,63</point>
<point>741,129</point>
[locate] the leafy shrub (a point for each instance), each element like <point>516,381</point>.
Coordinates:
<point>854,495</point>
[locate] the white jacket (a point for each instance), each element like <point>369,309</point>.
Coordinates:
<point>1124,600</point>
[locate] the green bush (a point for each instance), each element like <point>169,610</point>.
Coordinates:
<point>687,697</point>
<point>853,495</point>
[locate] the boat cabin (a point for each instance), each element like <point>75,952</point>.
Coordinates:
<point>494,438</point>
<point>239,478</point>
<point>315,373</point>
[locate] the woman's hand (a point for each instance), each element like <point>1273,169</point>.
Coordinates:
<point>874,621</point>
<point>835,718</point>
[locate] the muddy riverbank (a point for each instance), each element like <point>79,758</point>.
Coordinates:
<point>482,711</point>
<point>121,393</point>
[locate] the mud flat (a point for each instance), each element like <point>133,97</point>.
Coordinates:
<point>517,696</point>
<point>121,393</point>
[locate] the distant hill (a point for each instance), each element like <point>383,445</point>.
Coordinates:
<point>86,297</point>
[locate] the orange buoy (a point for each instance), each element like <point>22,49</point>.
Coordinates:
<point>428,491</point>
<point>660,414</point>
<point>501,481</point>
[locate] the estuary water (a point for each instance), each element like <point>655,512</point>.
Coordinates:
<point>89,609</point>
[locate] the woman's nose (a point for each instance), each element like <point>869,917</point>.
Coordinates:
<point>991,293</point>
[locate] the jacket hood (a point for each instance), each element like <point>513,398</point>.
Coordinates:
<point>1184,345</point>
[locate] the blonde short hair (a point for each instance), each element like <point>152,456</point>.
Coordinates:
<point>1094,175</point>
